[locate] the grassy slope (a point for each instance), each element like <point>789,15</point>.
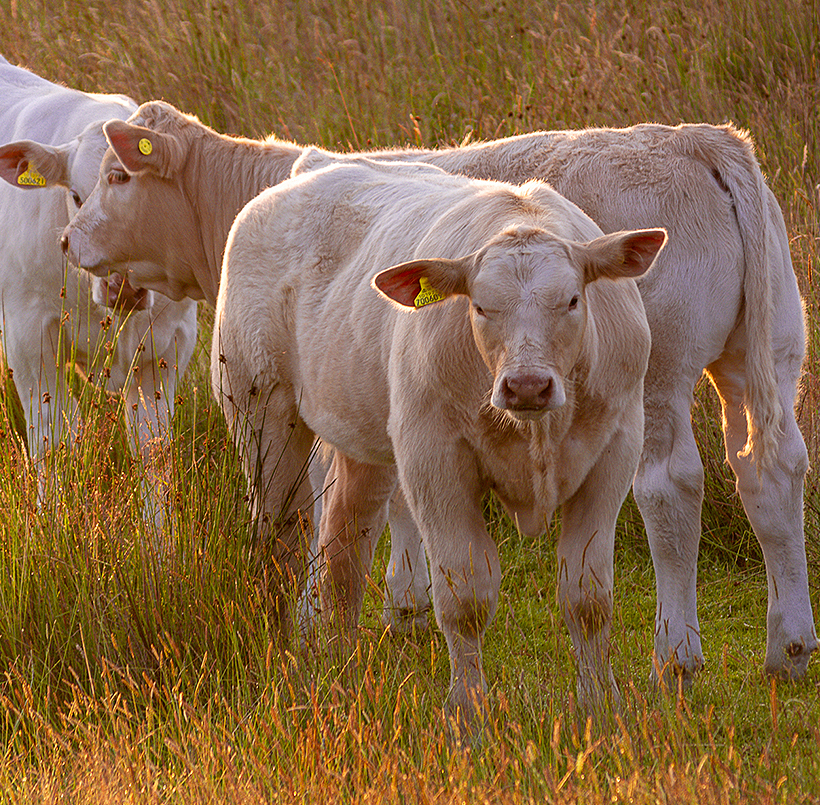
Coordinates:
<point>126,681</point>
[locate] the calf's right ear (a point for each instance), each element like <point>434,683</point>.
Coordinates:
<point>31,166</point>
<point>140,149</point>
<point>419,283</point>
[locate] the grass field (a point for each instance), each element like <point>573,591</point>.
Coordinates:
<point>124,679</point>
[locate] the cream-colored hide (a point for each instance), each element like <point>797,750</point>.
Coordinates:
<point>722,298</point>
<point>521,372</point>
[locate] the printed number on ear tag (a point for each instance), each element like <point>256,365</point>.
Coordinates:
<point>145,146</point>
<point>427,295</point>
<point>31,178</point>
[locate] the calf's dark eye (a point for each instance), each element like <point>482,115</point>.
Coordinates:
<point>118,177</point>
<point>75,197</point>
<point>573,303</point>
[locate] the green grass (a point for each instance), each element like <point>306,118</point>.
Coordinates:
<point>130,677</point>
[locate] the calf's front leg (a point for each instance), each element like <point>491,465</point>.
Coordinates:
<point>445,496</point>
<point>585,566</point>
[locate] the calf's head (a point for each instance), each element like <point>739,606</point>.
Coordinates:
<point>72,167</point>
<point>528,304</point>
<point>138,221</point>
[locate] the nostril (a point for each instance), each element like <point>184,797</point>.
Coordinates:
<point>545,393</point>
<point>511,389</point>
<point>64,243</point>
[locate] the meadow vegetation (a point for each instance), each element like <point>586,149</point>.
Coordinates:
<point>127,677</point>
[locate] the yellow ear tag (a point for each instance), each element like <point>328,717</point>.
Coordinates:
<point>427,295</point>
<point>31,178</point>
<point>145,146</point>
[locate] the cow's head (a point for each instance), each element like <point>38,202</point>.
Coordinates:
<point>528,304</point>
<point>138,221</point>
<point>72,167</point>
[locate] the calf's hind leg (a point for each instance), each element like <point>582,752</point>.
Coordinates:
<point>275,446</point>
<point>353,518</point>
<point>773,501</point>
<point>407,587</point>
<point>407,580</point>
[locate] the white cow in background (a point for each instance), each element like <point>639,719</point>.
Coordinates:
<point>721,299</point>
<point>52,313</point>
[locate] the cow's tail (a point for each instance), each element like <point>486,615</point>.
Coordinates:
<point>736,169</point>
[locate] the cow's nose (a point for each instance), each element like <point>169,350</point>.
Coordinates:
<point>64,244</point>
<point>531,391</point>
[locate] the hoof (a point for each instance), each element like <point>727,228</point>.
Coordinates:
<point>673,676</point>
<point>403,620</point>
<point>793,663</point>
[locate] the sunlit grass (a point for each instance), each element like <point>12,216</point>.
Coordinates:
<point>129,675</point>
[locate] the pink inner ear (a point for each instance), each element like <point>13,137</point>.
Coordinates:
<point>401,285</point>
<point>13,162</point>
<point>126,148</point>
<point>652,241</point>
<point>645,247</point>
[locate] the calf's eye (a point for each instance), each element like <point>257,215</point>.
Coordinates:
<point>75,197</point>
<point>573,303</point>
<point>117,177</point>
<point>479,311</point>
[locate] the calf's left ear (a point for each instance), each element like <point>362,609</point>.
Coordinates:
<point>419,283</point>
<point>622,254</point>
<point>142,149</point>
<point>31,166</point>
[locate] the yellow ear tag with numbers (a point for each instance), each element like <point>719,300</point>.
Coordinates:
<point>31,178</point>
<point>145,146</point>
<point>427,295</point>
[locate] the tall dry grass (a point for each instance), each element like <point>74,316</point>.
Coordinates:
<point>130,679</point>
